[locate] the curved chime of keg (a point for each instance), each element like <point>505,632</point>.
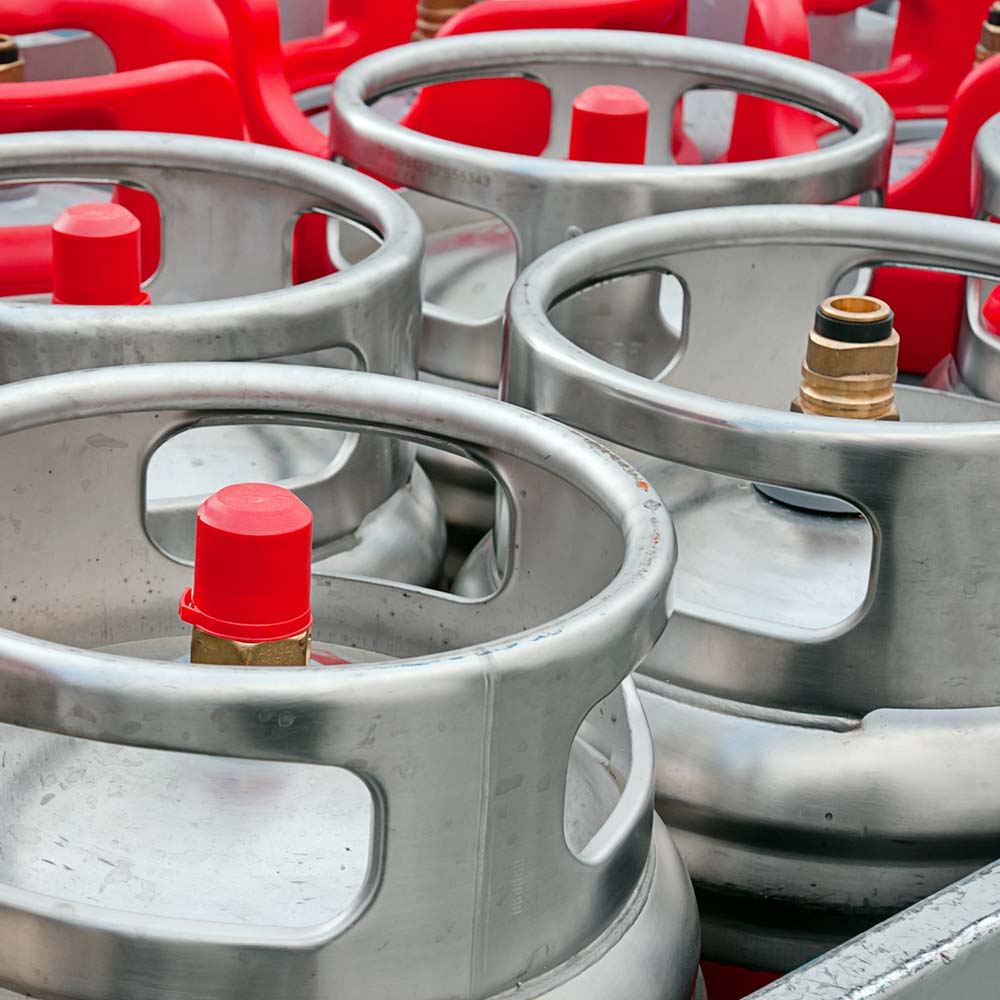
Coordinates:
<point>827,693</point>
<point>437,823</point>
<point>227,212</point>
<point>478,205</point>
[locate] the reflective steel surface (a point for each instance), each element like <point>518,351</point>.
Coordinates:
<point>826,693</point>
<point>544,200</point>
<point>503,846</point>
<point>222,292</point>
<point>489,214</point>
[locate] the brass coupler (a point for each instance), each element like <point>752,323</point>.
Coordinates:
<point>249,604</point>
<point>293,652</point>
<point>989,39</point>
<point>11,61</point>
<point>431,15</point>
<point>850,364</point>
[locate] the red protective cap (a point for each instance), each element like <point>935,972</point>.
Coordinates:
<point>609,126</point>
<point>252,559</point>
<point>991,312</point>
<point>95,257</point>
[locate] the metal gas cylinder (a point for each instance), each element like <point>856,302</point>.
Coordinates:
<point>489,214</point>
<point>227,213</point>
<point>469,816</point>
<point>827,692</point>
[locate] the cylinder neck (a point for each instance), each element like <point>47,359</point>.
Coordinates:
<point>850,364</point>
<point>609,125</point>
<point>96,257</point>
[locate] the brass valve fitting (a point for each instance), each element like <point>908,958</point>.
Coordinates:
<point>252,579</point>
<point>11,61</point>
<point>293,652</point>
<point>431,15</point>
<point>850,364</point>
<point>989,39</point>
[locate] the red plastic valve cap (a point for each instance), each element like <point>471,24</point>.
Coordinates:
<point>252,557</point>
<point>95,257</point>
<point>609,126</point>
<point>991,312</point>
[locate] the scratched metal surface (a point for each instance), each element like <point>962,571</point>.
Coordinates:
<point>945,947</point>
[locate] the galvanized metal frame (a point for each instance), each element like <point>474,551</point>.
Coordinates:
<point>471,874</point>
<point>946,946</point>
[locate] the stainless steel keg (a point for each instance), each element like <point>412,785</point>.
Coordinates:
<point>490,214</point>
<point>463,812</point>
<point>825,698</point>
<point>222,292</point>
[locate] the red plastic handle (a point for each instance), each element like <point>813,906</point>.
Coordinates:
<point>932,51</point>
<point>928,304</point>
<point>622,15</point>
<point>832,7</point>
<point>189,97</point>
<point>271,113</point>
<point>171,41</point>
<point>139,33</point>
<point>764,129</point>
<point>354,29</point>
<point>513,115</point>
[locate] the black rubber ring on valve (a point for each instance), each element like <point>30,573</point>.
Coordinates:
<point>847,332</point>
